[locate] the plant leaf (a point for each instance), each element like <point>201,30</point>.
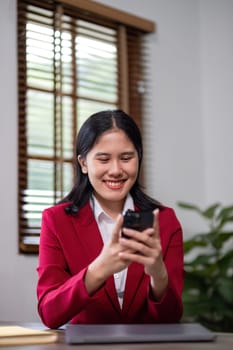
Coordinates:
<point>226,212</point>
<point>225,263</point>
<point>220,239</point>
<point>223,222</point>
<point>190,244</point>
<point>189,206</point>
<point>225,288</point>
<point>202,259</point>
<point>209,213</point>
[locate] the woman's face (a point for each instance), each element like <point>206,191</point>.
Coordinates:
<point>112,168</point>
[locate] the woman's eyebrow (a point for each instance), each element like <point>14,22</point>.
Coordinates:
<point>128,153</point>
<point>97,154</point>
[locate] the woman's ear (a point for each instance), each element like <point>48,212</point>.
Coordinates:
<point>83,164</point>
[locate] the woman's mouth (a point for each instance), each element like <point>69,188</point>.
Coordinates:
<point>114,185</point>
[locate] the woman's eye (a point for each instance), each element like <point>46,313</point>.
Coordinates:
<point>126,159</point>
<point>103,160</point>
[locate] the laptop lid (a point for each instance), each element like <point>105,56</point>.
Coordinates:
<point>136,333</point>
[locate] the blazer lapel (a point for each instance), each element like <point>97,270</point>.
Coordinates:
<point>110,290</point>
<point>88,232</point>
<point>134,276</point>
<point>90,238</point>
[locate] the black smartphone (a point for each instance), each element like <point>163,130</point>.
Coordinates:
<point>138,220</point>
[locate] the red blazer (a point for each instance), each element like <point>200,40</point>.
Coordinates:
<point>67,246</point>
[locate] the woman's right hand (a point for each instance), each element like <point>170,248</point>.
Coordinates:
<point>108,262</point>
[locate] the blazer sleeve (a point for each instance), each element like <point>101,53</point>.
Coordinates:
<point>61,295</point>
<point>170,307</point>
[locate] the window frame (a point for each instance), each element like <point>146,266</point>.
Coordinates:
<point>128,26</point>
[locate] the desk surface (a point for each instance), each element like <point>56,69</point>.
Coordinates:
<point>224,341</point>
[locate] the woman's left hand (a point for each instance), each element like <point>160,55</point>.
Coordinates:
<point>146,249</point>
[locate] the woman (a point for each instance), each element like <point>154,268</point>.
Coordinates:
<point>90,273</point>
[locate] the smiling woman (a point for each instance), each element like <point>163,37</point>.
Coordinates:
<point>88,271</point>
<point>112,168</point>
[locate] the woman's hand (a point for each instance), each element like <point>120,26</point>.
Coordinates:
<point>145,248</point>
<point>109,260</point>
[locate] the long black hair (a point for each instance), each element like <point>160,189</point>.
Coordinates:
<point>87,136</point>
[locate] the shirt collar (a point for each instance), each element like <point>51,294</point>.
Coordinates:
<point>98,210</point>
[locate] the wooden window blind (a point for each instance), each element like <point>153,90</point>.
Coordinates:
<point>75,58</point>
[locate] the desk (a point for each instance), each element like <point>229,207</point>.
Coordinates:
<point>224,341</point>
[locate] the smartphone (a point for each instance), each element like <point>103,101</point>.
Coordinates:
<point>138,220</point>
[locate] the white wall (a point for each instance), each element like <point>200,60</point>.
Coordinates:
<point>217,98</point>
<point>189,146</point>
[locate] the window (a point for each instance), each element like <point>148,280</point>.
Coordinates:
<point>74,58</point>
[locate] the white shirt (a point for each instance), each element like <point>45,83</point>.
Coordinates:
<point>106,224</point>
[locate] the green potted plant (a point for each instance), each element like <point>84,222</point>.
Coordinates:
<point>208,290</point>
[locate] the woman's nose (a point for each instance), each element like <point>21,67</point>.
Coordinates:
<point>115,168</point>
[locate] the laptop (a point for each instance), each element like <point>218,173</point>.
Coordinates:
<point>137,333</point>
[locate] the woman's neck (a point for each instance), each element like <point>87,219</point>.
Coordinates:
<point>113,209</point>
